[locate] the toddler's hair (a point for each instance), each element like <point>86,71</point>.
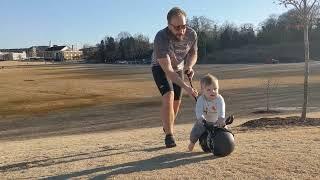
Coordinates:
<point>208,80</point>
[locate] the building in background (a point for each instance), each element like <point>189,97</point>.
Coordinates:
<point>36,52</point>
<point>62,53</point>
<point>1,56</point>
<point>14,56</point>
<point>55,53</point>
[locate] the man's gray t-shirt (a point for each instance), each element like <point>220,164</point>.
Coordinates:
<point>166,44</point>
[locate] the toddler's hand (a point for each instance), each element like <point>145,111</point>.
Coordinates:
<point>221,123</point>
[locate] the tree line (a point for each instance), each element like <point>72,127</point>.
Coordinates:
<point>124,47</point>
<point>212,37</point>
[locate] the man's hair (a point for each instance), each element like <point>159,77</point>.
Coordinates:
<point>208,80</point>
<point>176,11</point>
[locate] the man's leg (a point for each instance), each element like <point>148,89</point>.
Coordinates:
<point>177,98</point>
<point>167,116</point>
<point>169,107</point>
<point>176,107</point>
<point>167,112</point>
<point>166,89</point>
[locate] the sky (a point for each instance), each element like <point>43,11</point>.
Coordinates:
<point>26,23</point>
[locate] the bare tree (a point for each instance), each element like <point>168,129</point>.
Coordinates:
<point>123,35</point>
<point>269,86</point>
<point>307,11</point>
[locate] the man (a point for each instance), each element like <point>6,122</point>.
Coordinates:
<point>175,53</point>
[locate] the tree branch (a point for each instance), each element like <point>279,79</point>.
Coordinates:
<point>306,9</point>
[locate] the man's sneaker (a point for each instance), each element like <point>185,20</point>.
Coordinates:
<point>229,120</point>
<point>169,141</point>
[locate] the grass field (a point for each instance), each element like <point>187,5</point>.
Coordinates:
<point>102,121</point>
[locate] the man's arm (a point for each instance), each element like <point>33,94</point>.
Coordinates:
<point>191,60</point>
<point>192,54</point>
<point>173,76</point>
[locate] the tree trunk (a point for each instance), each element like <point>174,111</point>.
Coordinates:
<point>268,95</point>
<point>306,72</point>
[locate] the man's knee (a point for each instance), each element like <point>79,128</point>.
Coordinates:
<point>177,102</point>
<point>176,105</point>
<point>168,97</point>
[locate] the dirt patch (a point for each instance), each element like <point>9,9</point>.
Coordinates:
<point>278,122</point>
<point>266,112</point>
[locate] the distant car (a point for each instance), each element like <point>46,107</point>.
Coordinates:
<point>121,62</point>
<point>146,61</point>
<point>272,61</point>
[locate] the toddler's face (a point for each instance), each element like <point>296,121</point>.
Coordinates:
<point>210,91</point>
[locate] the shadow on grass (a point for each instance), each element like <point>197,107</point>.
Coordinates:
<point>107,151</point>
<point>54,161</point>
<point>156,163</point>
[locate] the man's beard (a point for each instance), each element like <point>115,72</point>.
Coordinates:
<point>179,37</point>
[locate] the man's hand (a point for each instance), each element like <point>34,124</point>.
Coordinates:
<point>192,92</point>
<point>221,122</point>
<point>189,72</point>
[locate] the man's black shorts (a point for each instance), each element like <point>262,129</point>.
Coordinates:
<point>165,85</point>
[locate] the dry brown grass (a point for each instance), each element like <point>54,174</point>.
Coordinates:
<point>28,90</point>
<point>139,154</point>
<point>102,121</point>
